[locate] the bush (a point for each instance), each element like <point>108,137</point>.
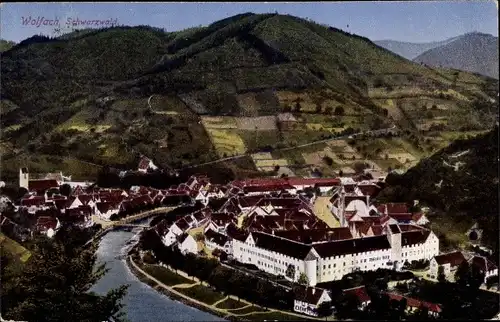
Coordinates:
<point>328,160</point>
<point>148,258</point>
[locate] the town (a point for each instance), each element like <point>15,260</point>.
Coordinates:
<point>306,234</point>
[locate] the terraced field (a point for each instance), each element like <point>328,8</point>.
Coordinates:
<point>226,142</point>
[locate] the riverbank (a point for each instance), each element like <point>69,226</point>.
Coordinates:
<point>173,294</point>
<point>247,312</point>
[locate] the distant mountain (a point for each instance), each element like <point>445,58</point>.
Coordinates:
<point>474,52</point>
<point>410,50</point>
<point>6,45</point>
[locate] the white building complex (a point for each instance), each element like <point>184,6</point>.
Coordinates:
<point>327,261</point>
<point>269,223</point>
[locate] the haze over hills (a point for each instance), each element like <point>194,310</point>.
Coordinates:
<point>84,98</point>
<point>474,52</point>
<point>410,50</point>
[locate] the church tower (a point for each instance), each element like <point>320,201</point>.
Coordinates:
<point>23,178</point>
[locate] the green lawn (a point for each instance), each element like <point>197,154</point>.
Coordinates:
<point>250,309</point>
<point>231,304</point>
<point>202,293</point>
<point>165,275</point>
<point>13,248</point>
<point>272,316</point>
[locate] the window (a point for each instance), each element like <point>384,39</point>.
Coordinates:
<point>329,266</point>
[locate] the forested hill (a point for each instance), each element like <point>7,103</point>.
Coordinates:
<point>84,96</point>
<point>461,181</point>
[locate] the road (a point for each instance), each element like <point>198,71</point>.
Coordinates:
<point>127,220</point>
<point>107,225</point>
<point>343,137</point>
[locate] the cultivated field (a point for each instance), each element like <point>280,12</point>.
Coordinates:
<point>265,161</point>
<point>226,142</point>
<point>219,122</point>
<point>259,123</point>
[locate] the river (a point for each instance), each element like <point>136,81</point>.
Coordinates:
<point>142,303</point>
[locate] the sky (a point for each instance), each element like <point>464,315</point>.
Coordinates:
<point>412,21</point>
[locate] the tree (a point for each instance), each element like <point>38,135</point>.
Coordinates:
<point>204,268</point>
<point>440,275</point>
<point>148,258</point>
<point>324,309</point>
<point>55,284</point>
<point>492,280</point>
<point>328,160</point>
<point>297,107</point>
<point>303,279</point>
<point>347,306</point>
<point>220,278</point>
<point>199,237</point>
<point>339,111</point>
<point>65,189</point>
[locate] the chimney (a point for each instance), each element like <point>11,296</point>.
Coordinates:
<point>313,290</point>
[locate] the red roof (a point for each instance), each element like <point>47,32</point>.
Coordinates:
<point>432,307</point>
<point>483,264</point>
<point>45,222</point>
<point>84,199</point>
<point>370,190</point>
<point>393,208</point>
<point>42,185</point>
<point>454,259</point>
<point>360,293</point>
<point>104,207</point>
<point>34,201</point>
<point>144,164</point>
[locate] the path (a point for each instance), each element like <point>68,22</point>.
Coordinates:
<point>185,285</point>
<point>212,307</point>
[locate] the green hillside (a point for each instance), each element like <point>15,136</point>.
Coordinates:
<point>460,183</point>
<point>6,45</point>
<point>84,96</point>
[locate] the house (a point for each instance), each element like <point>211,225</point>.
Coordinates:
<point>361,294</point>
<point>414,304</point>
<point>106,209</point>
<point>187,244</point>
<point>170,236</point>
<point>308,299</point>
<point>215,240</point>
<point>286,121</point>
<point>80,216</point>
<point>146,164</point>
<point>47,225</point>
<point>485,266</point>
<point>449,262</point>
